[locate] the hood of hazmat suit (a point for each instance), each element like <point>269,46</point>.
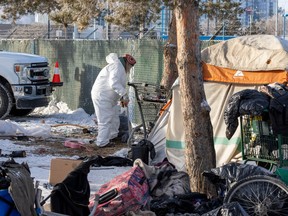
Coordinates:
<point>110,83</point>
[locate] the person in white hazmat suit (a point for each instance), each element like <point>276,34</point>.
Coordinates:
<point>108,88</point>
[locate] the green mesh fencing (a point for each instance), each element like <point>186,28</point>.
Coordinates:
<point>80,61</point>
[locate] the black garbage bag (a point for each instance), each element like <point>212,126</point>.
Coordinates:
<point>150,147</point>
<point>209,206</point>
<point>228,209</point>
<point>123,128</point>
<point>142,150</point>
<point>184,203</point>
<point>110,161</point>
<point>234,172</point>
<point>71,196</point>
<point>20,188</point>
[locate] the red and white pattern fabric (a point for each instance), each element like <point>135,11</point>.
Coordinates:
<point>133,193</point>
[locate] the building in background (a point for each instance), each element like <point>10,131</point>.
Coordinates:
<point>256,10</point>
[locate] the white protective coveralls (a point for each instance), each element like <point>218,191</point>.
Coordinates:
<point>108,88</point>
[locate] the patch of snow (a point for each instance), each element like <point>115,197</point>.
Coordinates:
<point>40,124</point>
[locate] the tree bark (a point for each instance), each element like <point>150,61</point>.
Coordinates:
<point>199,150</point>
<point>170,73</point>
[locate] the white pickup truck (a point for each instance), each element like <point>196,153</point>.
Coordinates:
<point>24,83</point>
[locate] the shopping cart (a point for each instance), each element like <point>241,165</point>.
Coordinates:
<point>262,194</point>
<point>260,144</point>
<point>150,99</point>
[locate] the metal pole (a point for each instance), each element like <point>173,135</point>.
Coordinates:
<point>284,26</point>
<point>250,23</point>
<point>252,17</point>
<point>75,32</point>
<point>208,23</point>
<point>223,23</point>
<point>276,23</point>
<point>162,21</point>
<point>107,24</point>
<point>48,29</point>
<point>94,25</point>
<point>223,33</point>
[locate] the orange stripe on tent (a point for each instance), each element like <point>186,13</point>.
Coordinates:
<point>226,75</point>
<point>165,107</point>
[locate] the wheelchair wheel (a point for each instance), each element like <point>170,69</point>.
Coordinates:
<point>260,196</point>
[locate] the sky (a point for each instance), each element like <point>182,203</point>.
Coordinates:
<point>283,4</point>
<point>40,164</point>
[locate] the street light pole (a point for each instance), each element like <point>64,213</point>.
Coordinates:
<point>250,23</point>
<point>49,29</point>
<point>108,27</point>
<point>276,23</point>
<point>284,25</point>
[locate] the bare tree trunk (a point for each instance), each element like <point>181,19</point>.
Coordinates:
<point>199,151</point>
<point>170,73</point>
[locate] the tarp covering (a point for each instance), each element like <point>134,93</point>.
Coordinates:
<point>264,57</point>
<point>249,53</point>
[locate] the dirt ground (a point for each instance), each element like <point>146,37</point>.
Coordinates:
<point>55,145</point>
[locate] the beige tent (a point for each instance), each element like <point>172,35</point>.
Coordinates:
<point>228,67</point>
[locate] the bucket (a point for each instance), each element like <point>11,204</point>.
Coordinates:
<point>140,151</point>
<point>7,206</point>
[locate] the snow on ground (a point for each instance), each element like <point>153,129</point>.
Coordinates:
<point>55,113</point>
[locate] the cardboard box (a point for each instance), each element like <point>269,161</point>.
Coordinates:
<point>60,168</point>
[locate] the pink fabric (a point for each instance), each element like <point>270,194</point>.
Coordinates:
<point>133,193</point>
<point>76,145</point>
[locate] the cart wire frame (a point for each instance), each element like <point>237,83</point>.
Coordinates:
<point>150,99</point>
<point>260,144</point>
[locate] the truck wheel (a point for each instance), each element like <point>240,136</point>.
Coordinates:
<point>20,112</point>
<point>5,101</point>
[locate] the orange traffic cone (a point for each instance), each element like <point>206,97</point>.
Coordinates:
<point>56,76</point>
